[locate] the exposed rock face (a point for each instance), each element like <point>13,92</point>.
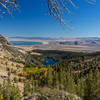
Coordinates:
<point>3,40</point>
<point>53,97</point>
<point>6,47</point>
<point>51,94</point>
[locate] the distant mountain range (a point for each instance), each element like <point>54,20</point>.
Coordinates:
<point>64,40</point>
<point>80,41</point>
<point>22,37</point>
<point>41,38</point>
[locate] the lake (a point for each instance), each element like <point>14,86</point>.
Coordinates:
<point>25,43</point>
<point>48,61</point>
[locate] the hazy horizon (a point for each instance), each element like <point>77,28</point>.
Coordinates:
<point>51,37</point>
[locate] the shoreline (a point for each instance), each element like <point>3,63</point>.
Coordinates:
<point>29,40</point>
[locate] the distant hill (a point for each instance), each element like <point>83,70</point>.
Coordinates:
<point>79,41</point>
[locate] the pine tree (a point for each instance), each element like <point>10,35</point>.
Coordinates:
<point>62,78</point>
<point>27,89</point>
<point>50,76</point>
<point>70,84</point>
<point>80,87</point>
<point>89,87</point>
<point>96,77</point>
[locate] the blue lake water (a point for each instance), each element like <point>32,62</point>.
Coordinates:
<point>25,43</point>
<point>48,61</point>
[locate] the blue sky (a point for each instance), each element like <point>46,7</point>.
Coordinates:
<point>34,21</point>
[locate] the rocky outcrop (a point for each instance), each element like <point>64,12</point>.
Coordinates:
<point>3,40</point>
<point>52,94</point>
<point>5,46</point>
<point>53,97</point>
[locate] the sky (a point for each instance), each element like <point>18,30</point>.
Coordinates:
<point>33,20</point>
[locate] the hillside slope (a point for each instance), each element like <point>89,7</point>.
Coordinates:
<point>11,61</point>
